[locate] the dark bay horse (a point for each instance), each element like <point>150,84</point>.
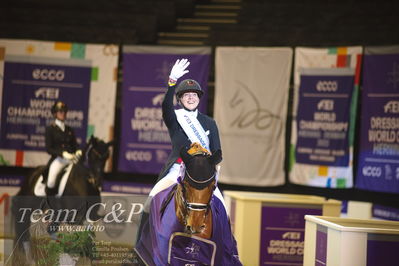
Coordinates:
<point>84,177</point>
<point>79,188</point>
<point>187,224</point>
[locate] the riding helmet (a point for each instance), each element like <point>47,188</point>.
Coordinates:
<point>59,106</point>
<point>188,85</point>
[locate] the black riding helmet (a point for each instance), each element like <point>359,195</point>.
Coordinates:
<point>59,106</point>
<point>188,85</point>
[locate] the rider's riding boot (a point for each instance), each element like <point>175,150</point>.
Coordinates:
<point>51,191</point>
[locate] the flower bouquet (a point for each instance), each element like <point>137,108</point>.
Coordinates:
<point>66,247</point>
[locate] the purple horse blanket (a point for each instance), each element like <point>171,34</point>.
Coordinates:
<point>162,241</point>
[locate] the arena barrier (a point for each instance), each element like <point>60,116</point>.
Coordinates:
<point>337,241</point>
<point>269,227</point>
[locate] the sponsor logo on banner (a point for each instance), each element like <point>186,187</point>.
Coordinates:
<point>31,89</point>
<point>378,161</point>
<point>323,120</point>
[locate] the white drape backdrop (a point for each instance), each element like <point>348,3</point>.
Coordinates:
<point>251,97</point>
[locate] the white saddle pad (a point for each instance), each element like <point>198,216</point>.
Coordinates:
<point>40,187</point>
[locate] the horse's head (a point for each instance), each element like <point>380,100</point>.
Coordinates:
<point>96,154</point>
<point>197,187</point>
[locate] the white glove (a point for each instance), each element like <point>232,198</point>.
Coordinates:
<point>78,153</point>
<point>77,156</point>
<point>68,156</point>
<point>179,69</point>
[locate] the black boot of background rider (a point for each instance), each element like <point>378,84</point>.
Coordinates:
<point>51,191</point>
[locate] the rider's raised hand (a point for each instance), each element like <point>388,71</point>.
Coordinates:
<point>68,156</point>
<point>179,69</point>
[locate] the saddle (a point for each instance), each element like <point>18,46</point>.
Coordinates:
<point>59,175</point>
<point>44,174</point>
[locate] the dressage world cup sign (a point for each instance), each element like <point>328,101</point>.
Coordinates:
<point>378,163</point>
<point>145,142</point>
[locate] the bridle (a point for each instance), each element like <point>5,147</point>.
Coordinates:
<point>195,206</point>
<point>188,207</point>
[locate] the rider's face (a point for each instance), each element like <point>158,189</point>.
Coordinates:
<point>190,100</point>
<point>60,115</point>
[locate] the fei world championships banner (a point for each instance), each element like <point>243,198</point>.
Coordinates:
<point>145,142</point>
<point>34,75</point>
<point>325,95</point>
<point>378,161</point>
<point>251,99</point>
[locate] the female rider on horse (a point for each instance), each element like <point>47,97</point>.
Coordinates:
<point>186,125</point>
<point>61,145</point>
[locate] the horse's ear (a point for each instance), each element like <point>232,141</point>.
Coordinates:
<point>184,155</point>
<point>110,143</point>
<point>216,157</point>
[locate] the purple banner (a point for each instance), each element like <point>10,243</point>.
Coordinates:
<point>127,187</point>
<point>145,141</point>
<point>386,213</point>
<point>323,119</point>
<point>382,249</point>
<point>378,164</point>
<point>29,92</point>
<point>283,233</point>
<point>321,246</point>
<point>11,180</point>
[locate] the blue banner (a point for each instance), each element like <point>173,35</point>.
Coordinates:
<point>323,119</point>
<point>378,161</point>
<point>145,142</point>
<point>29,92</point>
<point>385,213</point>
<point>11,180</point>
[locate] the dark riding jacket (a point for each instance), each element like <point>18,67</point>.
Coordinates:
<point>58,141</point>
<point>177,135</point>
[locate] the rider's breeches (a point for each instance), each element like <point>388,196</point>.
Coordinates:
<point>171,178</point>
<point>55,168</point>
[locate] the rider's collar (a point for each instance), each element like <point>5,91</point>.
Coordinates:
<point>60,124</point>
<point>191,113</point>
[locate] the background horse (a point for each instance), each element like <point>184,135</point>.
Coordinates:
<point>187,223</point>
<point>81,180</point>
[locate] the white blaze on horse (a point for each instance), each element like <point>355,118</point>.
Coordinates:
<point>187,223</point>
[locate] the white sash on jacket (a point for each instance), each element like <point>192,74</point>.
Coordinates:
<point>192,128</point>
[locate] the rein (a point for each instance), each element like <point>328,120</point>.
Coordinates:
<point>87,152</point>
